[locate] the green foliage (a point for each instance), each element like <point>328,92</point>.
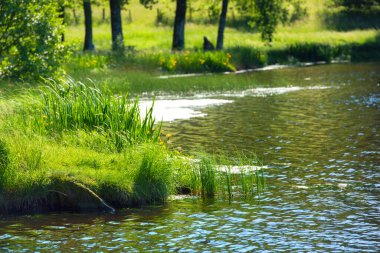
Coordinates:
<point>267,17</point>
<point>28,154</point>
<point>213,11</point>
<point>306,52</point>
<point>207,173</point>
<point>248,57</point>
<point>81,61</point>
<point>292,11</point>
<point>161,18</point>
<point>218,175</point>
<point>154,177</point>
<point>148,3</point>
<point>369,51</point>
<point>73,105</point>
<point>141,175</point>
<point>30,33</point>
<point>189,62</point>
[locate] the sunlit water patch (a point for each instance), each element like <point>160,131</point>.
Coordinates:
<point>175,109</point>
<point>168,108</point>
<point>262,92</point>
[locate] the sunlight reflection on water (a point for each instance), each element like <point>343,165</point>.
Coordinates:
<point>168,108</point>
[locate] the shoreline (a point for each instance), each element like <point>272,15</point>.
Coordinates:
<point>265,68</point>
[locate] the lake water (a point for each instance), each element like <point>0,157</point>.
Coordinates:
<point>317,130</point>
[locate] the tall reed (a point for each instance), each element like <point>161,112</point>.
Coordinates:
<point>239,176</point>
<point>208,177</point>
<point>71,105</point>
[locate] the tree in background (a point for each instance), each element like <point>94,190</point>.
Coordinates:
<point>179,25</point>
<point>267,17</point>
<point>62,5</point>
<point>179,22</point>
<point>30,39</point>
<point>116,26</point>
<point>88,38</point>
<point>222,25</point>
<point>148,3</point>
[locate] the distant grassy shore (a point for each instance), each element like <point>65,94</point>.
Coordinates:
<point>325,34</point>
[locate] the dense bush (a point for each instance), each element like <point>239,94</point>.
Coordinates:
<point>197,62</point>
<point>307,52</point>
<point>30,34</point>
<point>248,57</point>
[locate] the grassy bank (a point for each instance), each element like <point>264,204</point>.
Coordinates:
<point>67,146</point>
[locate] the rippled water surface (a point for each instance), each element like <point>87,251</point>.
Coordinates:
<point>317,130</point>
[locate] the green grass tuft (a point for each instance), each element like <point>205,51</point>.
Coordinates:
<point>154,178</point>
<point>69,105</point>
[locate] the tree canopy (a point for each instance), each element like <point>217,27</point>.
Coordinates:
<point>30,34</point>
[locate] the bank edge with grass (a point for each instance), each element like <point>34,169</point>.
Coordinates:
<point>67,146</point>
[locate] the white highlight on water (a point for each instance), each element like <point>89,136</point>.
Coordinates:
<point>169,108</point>
<point>263,92</point>
<point>175,109</point>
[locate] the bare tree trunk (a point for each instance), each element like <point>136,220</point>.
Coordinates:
<point>76,19</point>
<point>179,26</point>
<point>222,25</point>
<point>116,27</point>
<point>62,16</point>
<point>129,16</point>
<point>88,38</point>
<point>190,12</point>
<point>104,14</point>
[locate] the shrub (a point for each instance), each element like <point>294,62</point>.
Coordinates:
<point>30,44</point>
<point>318,52</point>
<point>197,62</point>
<point>248,57</point>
